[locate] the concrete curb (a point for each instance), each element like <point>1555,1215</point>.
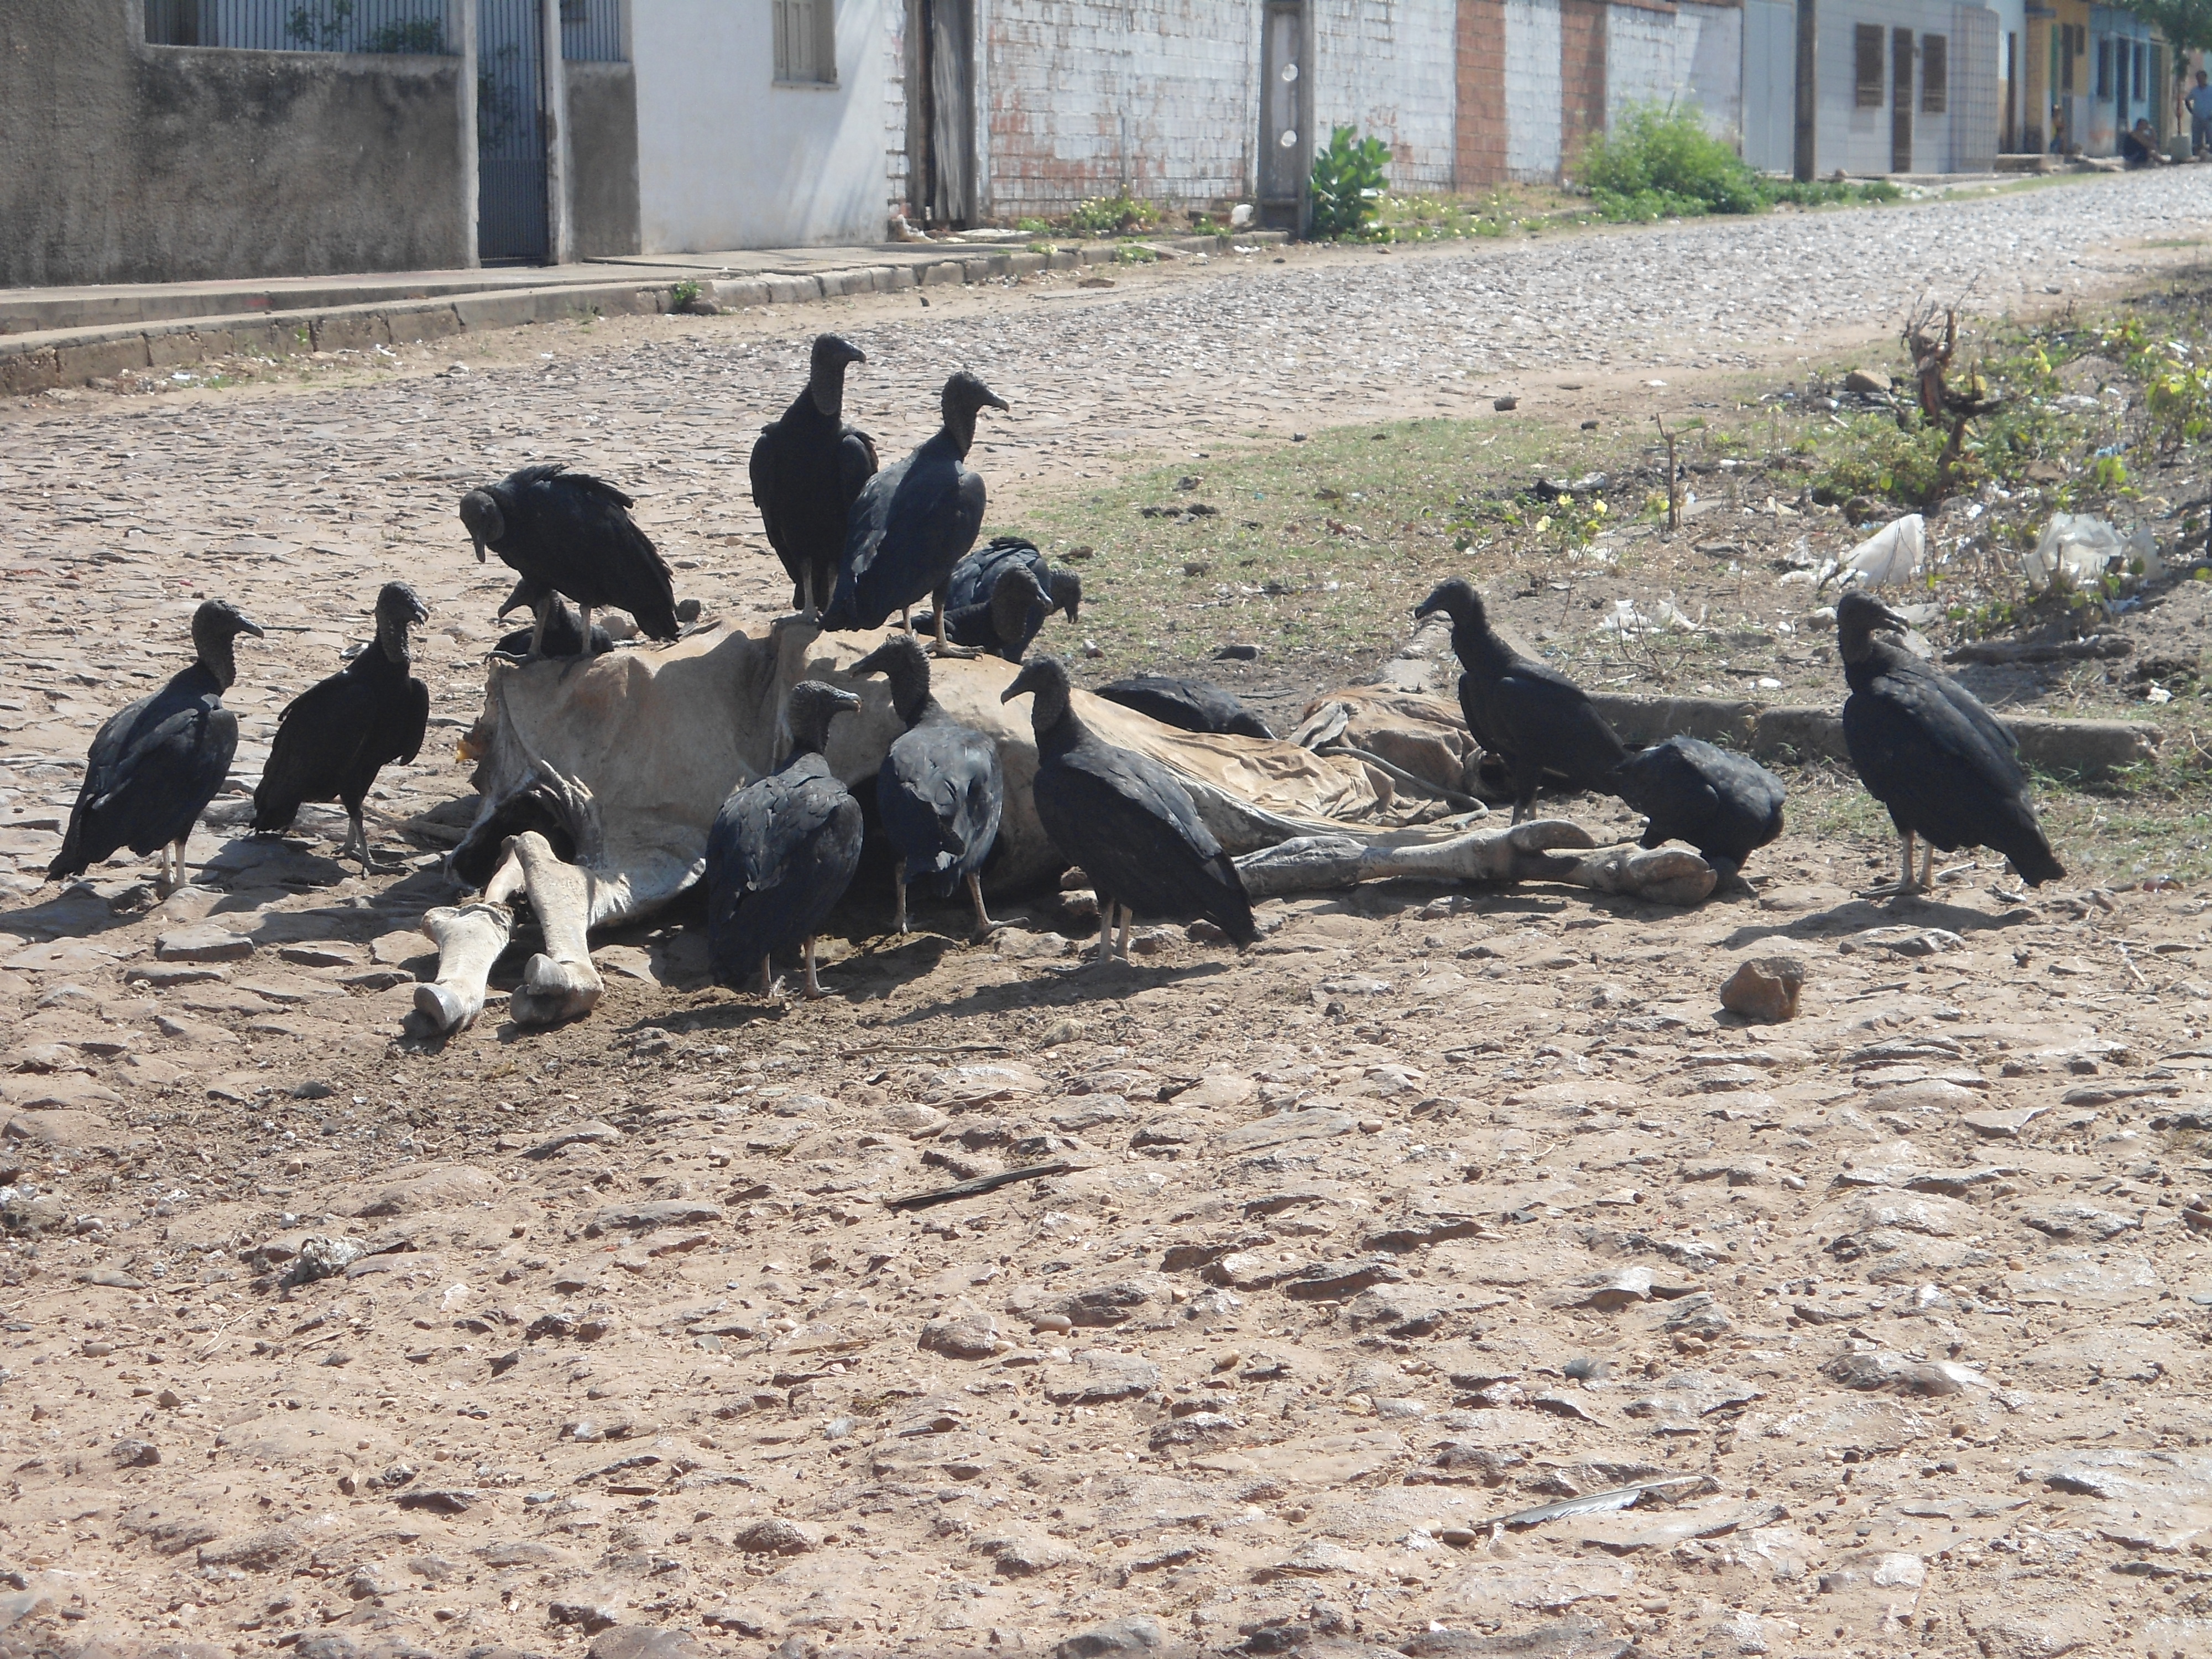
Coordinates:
<point>34,362</point>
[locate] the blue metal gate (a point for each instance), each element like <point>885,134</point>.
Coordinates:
<point>510,132</point>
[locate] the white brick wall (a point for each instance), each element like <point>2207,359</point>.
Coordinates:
<point>1387,67</point>
<point>1532,88</point>
<point>1693,55</point>
<point>1084,98</point>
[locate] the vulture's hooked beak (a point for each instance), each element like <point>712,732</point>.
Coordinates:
<point>247,625</point>
<point>1023,684</point>
<point>479,541</point>
<point>874,663</point>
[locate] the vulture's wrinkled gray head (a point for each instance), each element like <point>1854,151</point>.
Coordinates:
<point>399,607</point>
<point>1859,616</point>
<point>1044,679</point>
<point>810,709</point>
<point>215,625</point>
<point>480,512</point>
<point>1457,599</point>
<point>1067,592</point>
<point>902,660</point>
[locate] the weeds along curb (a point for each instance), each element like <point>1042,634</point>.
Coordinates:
<point>38,362</point>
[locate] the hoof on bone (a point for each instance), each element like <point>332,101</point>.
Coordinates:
<point>552,991</point>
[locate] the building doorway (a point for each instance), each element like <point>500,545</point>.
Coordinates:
<point>942,123</point>
<point>511,205</point>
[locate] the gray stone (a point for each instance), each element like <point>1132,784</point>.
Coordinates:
<point>1099,1375</point>
<point>1116,1640</point>
<point>203,943</point>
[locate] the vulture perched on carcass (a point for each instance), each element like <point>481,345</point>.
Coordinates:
<point>1724,804</point>
<point>808,469</point>
<point>572,534</point>
<point>1000,596</point>
<point>914,521</point>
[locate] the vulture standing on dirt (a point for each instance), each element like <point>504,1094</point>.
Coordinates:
<point>564,630</point>
<point>156,765</point>
<point>808,468</point>
<point>334,738</point>
<point>1927,750</point>
<point>1126,820</point>
<point>1723,805</point>
<point>1533,718</point>
<point>1000,596</point>
<point>940,791</point>
<point>782,852</point>
<point>914,522</point>
<point>572,533</point>
<point>1186,705</point>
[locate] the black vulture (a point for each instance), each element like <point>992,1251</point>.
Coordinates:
<point>1723,805</point>
<point>156,765</point>
<point>333,738</point>
<point>808,468</point>
<point>1004,624</point>
<point>913,521</point>
<point>987,604</point>
<point>1927,750</point>
<point>782,852</point>
<point>939,791</point>
<point>1186,705</point>
<point>573,534</point>
<point>1533,718</point>
<point>564,630</point>
<point>1126,820</point>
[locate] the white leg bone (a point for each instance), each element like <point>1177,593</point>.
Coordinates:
<point>1525,851</point>
<point>559,982</point>
<point>469,939</point>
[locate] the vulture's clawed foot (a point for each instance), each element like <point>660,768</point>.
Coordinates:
<point>1891,890</point>
<point>939,648</point>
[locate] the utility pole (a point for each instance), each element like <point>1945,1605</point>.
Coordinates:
<point>1805,162</point>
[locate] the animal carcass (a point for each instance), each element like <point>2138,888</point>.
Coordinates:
<point>597,779</point>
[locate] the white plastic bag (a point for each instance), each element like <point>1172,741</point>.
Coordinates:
<point>2084,548</point>
<point>1891,557</point>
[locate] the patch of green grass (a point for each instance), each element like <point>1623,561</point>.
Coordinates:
<point>1656,162</point>
<point>1135,253</point>
<point>684,294</point>
<point>1321,548</point>
<point>1112,215</point>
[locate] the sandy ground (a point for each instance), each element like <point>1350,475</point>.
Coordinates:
<point>1433,1209</point>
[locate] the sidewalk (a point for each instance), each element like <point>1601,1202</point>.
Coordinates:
<point>58,337</point>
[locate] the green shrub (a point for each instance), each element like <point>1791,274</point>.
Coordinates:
<point>1661,163</point>
<point>683,294</point>
<point>1034,227</point>
<point>1109,216</point>
<point>1348,184</point>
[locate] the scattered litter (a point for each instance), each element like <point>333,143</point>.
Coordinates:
<point>1891,557</point>
<point>2083,549</point>
<point>323,1258</point>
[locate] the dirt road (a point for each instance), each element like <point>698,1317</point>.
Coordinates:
<point>1433,1210</point>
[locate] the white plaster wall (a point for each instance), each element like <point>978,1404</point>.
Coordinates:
<point>1691,54</point>
<point>1709,58</point>
<point>726,159</point>
<point>1532,89</point>
<point>1639,60</point>
<point>1857,140</point>
<point>1389,68</point>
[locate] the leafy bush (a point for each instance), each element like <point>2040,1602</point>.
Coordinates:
<point>684,295</point>
<point>1111,215</point>
<point>1348,184</point>
<point>1659,162</point>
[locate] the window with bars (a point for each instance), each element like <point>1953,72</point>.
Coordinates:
<point>1934,74</point>
<point>2104,69</point>
<point>380,25</point>
<point>806,41</point>
<point>1866,65</point>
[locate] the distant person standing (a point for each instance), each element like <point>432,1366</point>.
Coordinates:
<point>2199,103</point>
